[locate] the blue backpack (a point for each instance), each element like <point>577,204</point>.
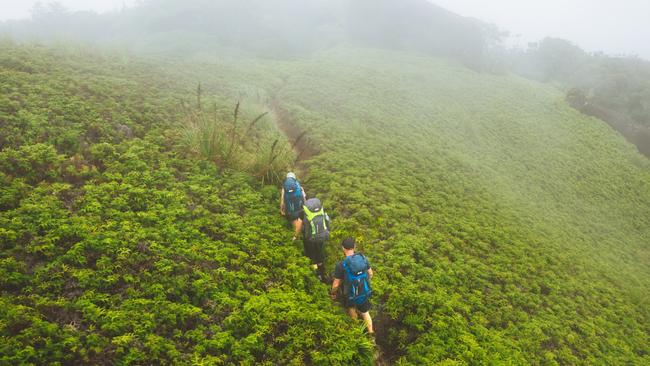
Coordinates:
<point>292,195</point>
<point>356,278</point>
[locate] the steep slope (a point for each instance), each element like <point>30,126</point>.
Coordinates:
<point>504,227</point>
<point>116,247</point>
<point>503,224</point>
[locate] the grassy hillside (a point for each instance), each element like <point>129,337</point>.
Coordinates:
<point>503,226</point>
<point>119,246</point>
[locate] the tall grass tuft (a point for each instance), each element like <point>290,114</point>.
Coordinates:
<point>272,168</point>
<point>252,147</point>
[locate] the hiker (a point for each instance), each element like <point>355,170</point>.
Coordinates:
<point>291,201</point>
<point>355,273</point>
<point>315,232</point>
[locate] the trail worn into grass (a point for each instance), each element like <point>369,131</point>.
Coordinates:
<point>300,143</point>
<point>297,137</point>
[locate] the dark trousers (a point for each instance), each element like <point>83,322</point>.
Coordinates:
<point>314,250</point>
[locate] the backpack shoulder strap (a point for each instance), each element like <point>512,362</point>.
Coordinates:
<point>326,221</point>
<point>346,267</point>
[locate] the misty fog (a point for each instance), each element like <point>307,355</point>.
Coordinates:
<point>613,27</point>
<point>159,161</point>
<point>478,36</point>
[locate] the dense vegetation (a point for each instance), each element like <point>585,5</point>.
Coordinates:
<point>614,89</point>
<point>118,246</point>
<point>503,225</point>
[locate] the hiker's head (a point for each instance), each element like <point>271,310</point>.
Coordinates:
<point>291,175</point>
<point>348,243</point>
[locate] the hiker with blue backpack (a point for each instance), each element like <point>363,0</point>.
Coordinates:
<point>291,202</point>
<point>355,274</point>
<point>315,233</point>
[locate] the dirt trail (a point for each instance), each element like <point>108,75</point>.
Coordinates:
<point>299,140</point>
<point>296,136</point>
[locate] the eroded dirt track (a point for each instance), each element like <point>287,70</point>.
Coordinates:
<point>297,137</point>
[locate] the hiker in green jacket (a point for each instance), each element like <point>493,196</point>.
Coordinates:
<point>291,201</point>
<point>354,273</point>
<point>315,233</point>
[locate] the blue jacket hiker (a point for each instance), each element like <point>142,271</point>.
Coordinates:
<point>354,273</point>
<point>291,200</point>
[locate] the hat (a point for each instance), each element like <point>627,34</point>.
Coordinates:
<point>291,175</point>
<point>348,243</point>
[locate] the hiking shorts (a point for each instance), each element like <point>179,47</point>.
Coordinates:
<point>293,216</point>
<point>363,308</point>
<point>314,250</point>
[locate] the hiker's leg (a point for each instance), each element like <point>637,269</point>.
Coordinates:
<point>364,309</point>
<point>368,320</point>
<point>297,228</point>
<point>309,253</point>
<point>306,250</point>
<point>320,253</point>
<point>319,258</point>
<point>353,312</point>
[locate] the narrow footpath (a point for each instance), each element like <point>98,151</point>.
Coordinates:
<point>296,136</point>
<point>299,140</point>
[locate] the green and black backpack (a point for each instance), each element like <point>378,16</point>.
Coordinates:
<point>317,225</point>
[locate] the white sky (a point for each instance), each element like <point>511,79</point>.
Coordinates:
<point>612,26</point>
<point>17,9</point>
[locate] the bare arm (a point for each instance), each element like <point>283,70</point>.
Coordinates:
<point>370,273</point>
<point>282,201</point>
<point>335,286</point>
